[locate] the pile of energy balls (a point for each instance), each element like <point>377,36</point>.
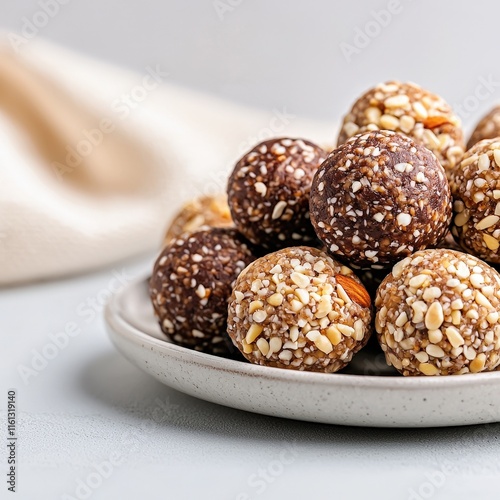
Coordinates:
<point>311,251</point>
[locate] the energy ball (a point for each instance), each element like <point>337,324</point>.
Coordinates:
<point>487,128</point>
<point>191,284</point>
<point>202,212</point>
<point>475,185</point>
<point>437,314</point>
<point>297,308</point>
<point>379,197</point>
<point>268,192</point>
<point>411,110</point>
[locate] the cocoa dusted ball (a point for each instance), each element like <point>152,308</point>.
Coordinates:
<point>409,109</point>
<point>202,212</point>
<point>437,314</point>
<point>487,128</point>
<point>297,308</point>
<point>475,185</point>
<point>379,197</point>
<point>191,284</point>
<point>268,192</point>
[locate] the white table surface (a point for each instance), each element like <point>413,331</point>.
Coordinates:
<point>89,404</point>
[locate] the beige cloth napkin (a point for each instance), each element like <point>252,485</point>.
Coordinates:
<point>94,160</point>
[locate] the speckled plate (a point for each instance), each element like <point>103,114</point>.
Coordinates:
<point>376,399</point>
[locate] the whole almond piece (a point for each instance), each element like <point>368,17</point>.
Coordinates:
<point>435,121</point>
<point>356,291</point>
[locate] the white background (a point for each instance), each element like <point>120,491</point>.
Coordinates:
<point>89,403</point>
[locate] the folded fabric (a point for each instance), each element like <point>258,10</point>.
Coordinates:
<point>94,159</point>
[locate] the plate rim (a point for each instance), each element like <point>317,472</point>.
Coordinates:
<point>118,324</point>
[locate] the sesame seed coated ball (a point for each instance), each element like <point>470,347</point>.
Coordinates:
<point>379,197</point>
<point>437,314</point>
<point>487,128</point>
<point>268,192</point>
<point>297,308</point>
<point>411,110</point>
<point>191,284</point>
<point>475,185</point>
<point>202,212</point>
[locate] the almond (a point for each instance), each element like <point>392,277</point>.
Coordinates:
<point>356,291</point>
<point>435,121</point>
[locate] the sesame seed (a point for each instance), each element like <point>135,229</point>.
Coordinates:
<point>278,210</point>
<point>397,101</point>
<point>434,351</point>
<point>253,332</point>
<point>263,346</point>
<point>496,155</point>
<point>261,188</point>
<point>301,280</point>
<point>276,299</point>
<point>422,356</point>
<point>404,219</point>
<point>346,330</point>
<point>418,280</point>
<point>200,291</point>
<point>434,316</point>
<point>259,316</point>
<point>428,369</point>
<point>488,221</point>
<point>454,337</point>
<point>255,305</point>
<point>483,162</point>
<point>285,355</point>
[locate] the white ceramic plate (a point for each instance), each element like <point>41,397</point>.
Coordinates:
<point>346,399</point>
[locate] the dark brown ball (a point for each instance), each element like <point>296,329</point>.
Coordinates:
<point>268,192</point>
<point>378,198</point>
<point>191,284</point>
